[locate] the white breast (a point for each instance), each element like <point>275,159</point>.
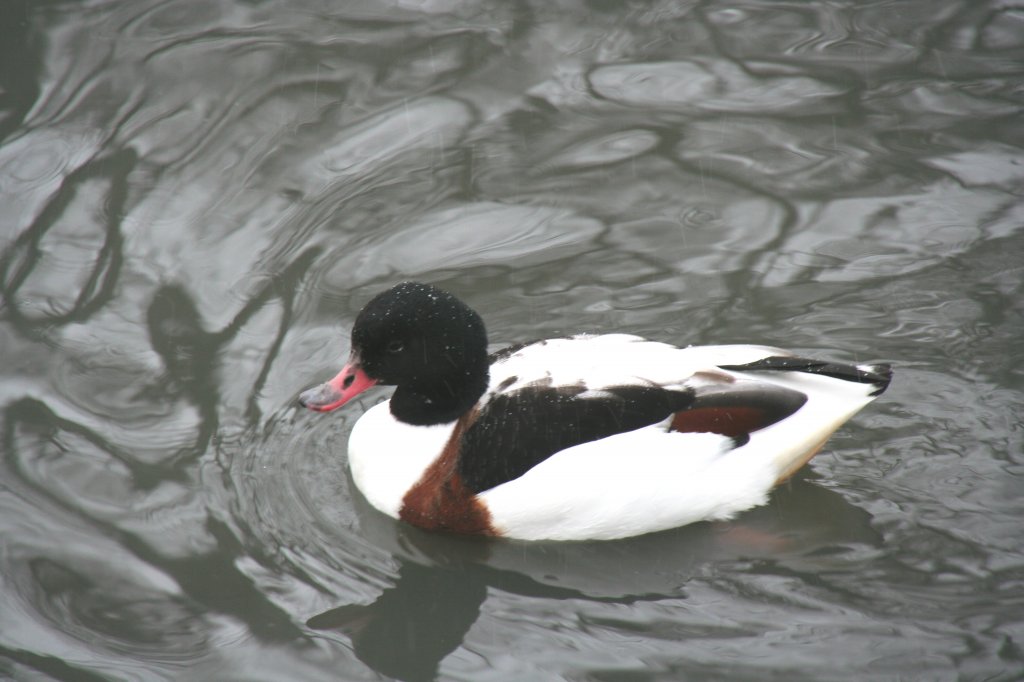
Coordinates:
<point>387,457</point>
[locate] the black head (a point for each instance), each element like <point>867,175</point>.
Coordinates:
<point>429,344</point>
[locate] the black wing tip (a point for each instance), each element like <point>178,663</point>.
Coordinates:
<point>879,375</point>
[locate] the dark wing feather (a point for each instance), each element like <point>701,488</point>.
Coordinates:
<point>877,375</point>
<point>737,410</point>
<point>520,429</point>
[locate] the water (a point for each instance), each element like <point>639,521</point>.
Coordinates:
<point>198,197</point>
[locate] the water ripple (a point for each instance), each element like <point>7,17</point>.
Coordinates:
<point>711,86</point>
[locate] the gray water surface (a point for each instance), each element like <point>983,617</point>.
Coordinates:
<point>196,198</point>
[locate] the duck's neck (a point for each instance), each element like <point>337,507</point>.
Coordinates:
<point>440,403</point>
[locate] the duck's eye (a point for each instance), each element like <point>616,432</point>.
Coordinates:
<point>395,346</point>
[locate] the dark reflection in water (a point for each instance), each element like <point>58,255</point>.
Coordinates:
<point>19,72</point>
<point>198,197</point>
<point>408,630</point>
<point>25,257</point>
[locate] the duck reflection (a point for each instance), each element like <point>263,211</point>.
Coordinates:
<point>413,625</point>
<point>443,581</point>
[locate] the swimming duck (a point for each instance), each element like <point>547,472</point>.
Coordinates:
<point>578,438</point>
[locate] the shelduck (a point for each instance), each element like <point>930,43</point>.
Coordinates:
<point>578,438</point>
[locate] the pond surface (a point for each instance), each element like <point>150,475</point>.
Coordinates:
<point>197,198</point>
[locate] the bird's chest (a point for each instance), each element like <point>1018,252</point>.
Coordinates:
<point>409,473</point>
<point>388,458</point>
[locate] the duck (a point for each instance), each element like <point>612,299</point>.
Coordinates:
<point>583,437</point>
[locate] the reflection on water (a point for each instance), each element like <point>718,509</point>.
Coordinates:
<point>442,583</point>
<point>197,199</point>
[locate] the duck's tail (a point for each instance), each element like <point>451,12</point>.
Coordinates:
<point>834,393</point>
